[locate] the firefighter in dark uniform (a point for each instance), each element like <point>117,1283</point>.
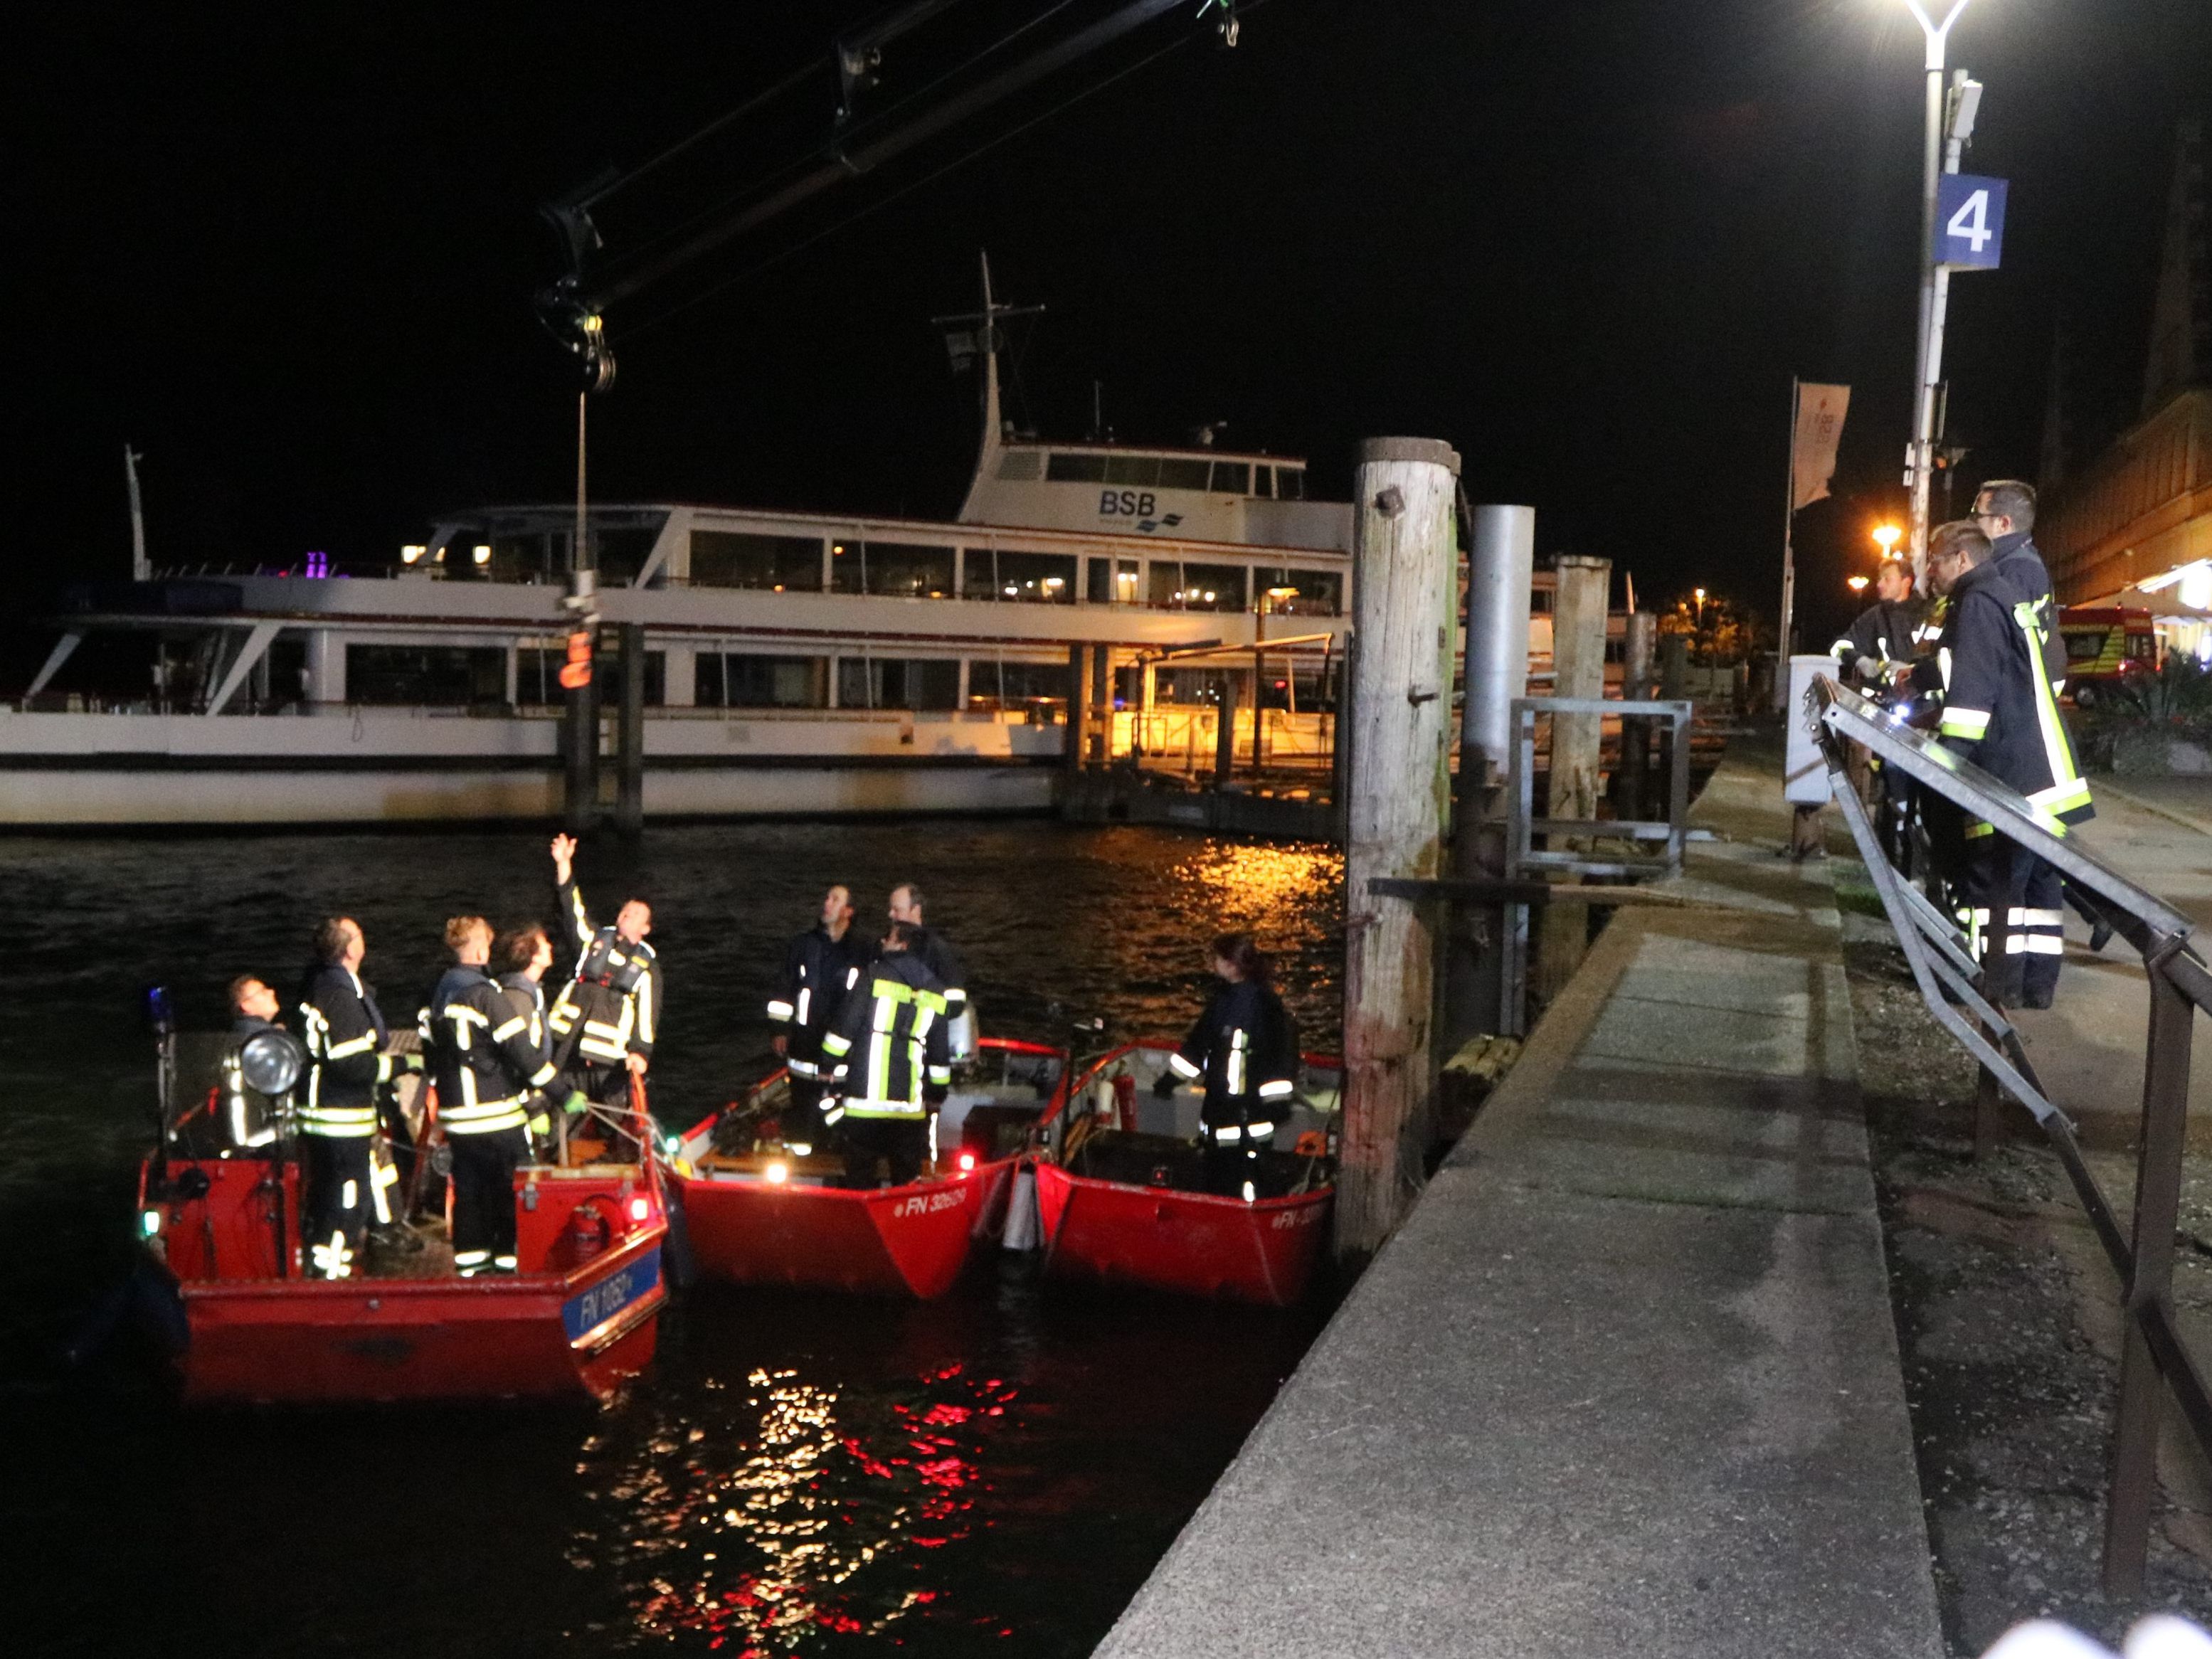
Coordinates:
<point>1878,650</point>
<point>248,1115</point>
<point>1244,1051</point>
<point>524,956</point>
<point>344,1032</point>
<point>890,1063</point>
<point>1884,640</point>
<point>820,967</point>
<point>2001,712</point>
<point>604,1019</point>
<point>938,955</point>
<point>486,1067</point>
<point>2004,510</point>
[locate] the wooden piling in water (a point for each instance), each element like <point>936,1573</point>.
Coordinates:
<point>1638,668</point>
<point>1399,786</point>
<point>1579,615</point>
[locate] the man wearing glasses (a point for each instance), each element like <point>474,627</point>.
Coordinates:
<point>2001,712</point>
<point>2004,509</point>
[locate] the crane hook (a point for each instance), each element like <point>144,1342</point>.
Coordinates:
<point>582,330</point>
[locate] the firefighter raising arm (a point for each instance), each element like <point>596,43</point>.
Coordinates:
<point>608,1016</point>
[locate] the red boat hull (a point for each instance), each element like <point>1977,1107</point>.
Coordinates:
<point>300,1341</point>
<point>258,1331</point>
<point>894,1241</point>
<point>1192,1244</point>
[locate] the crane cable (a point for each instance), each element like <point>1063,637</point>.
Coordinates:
<point>635,330</point>
<point>829,149</point>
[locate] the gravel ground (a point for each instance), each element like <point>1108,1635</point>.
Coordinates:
<point>2008,1319</point>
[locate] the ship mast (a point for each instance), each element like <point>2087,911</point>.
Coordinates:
<point>976,334</point>
<point>141,567</point>
<point>993,422</point>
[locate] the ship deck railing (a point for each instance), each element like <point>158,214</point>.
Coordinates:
<point>1044,712</point>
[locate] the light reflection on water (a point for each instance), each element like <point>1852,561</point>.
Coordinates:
<point>995,1472</point>
<point>812,1518</point>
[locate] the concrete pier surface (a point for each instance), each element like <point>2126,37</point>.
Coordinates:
<point>2088,1047</point>
<point>1626,1382</point>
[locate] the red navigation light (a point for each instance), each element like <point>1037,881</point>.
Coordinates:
<point>639,1209</point>
<point>967,1161</point>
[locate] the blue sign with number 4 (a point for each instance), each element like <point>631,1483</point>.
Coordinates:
<point>1970,215</point>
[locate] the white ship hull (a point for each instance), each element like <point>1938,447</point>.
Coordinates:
<point>81,771</point>
<point>793,664</point>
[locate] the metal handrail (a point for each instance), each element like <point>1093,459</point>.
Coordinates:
<point>1944,969</point>
<point>1524,826</point>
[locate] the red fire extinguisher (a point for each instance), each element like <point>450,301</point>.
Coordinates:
<point>1125,1101</point>
<point>590,1232</point>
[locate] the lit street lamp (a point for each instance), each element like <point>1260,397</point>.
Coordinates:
<point>1887,536</point>
<point>1953,118</point>
<point>1856,584</point>
<point>1699,594</point>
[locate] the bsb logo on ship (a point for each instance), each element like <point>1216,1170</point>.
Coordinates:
<point>1141,505</point>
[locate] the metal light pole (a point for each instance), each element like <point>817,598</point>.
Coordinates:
<point>1935,282</point>
<point>579,674</point>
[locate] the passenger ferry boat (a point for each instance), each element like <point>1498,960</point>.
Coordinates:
<point>219,1212</point>
<point>794,662</point>
<point>763,1207</point>
<point>1119,1195</point>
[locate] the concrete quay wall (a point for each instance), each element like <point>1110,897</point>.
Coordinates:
<point>1627,1380</point>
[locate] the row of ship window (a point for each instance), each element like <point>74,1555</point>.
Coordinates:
<point>795,564</point>
<point>1287,484</point>
<point>439,675</point>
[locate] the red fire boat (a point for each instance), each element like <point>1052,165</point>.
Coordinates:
<point>762,1206</point>
<point>1118,1187</point>
<point>579,1317</point>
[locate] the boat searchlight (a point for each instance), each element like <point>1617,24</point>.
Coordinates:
<point>270,1061</point>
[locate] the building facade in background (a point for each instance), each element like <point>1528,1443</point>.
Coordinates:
<point>2140,511</point>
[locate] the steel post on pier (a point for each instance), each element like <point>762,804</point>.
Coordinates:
<point>1500,564</point>
<point>1224,732</point>
<point>579,742</point>
<point>1074,754</point>
<point>580,736</point>
<point>1405,614</point>
<point>1101,704</point>
<point>629,732</point>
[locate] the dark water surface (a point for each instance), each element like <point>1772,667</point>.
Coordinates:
<point>993,1472</point>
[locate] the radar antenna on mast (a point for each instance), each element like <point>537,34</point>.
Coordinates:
<point>976,335</point>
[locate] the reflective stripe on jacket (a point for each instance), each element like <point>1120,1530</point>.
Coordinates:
<point>343,1033</point>
<point>1244,1049</point>
<point>818,973</point>
<point>482,1056</point>
<point>890,1051</point>
<point>2000,708</point>
<point>2021,562</point>
<point>611,1007</point>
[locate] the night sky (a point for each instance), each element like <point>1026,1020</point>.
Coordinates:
<point>290,254</point>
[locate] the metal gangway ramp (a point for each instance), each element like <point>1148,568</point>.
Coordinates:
<point>1960,995</point>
